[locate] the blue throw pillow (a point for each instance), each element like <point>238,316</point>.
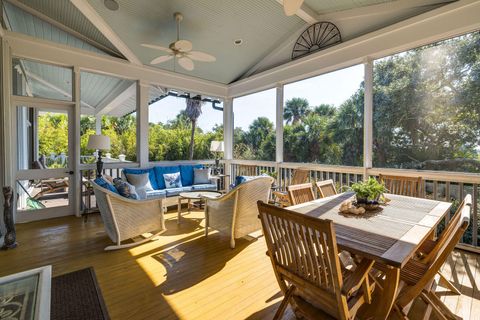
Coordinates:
<point>172,180</point>
<point>241,179</point>
<point>105,184</point>
<point>125,189</point>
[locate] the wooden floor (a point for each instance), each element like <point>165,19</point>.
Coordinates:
<point>184,275</point>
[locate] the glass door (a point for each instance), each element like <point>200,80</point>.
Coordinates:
<point>43,162</point>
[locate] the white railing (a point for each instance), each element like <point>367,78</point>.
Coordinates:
<point>437,185</point>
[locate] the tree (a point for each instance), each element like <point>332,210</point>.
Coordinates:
<point>193,111</point>
<point>295,110</point>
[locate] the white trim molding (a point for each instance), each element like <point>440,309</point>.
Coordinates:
<point>35,49</point>
<point>445,22</point>
<point>91,14</point>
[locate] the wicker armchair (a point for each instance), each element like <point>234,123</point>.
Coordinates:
<point>236,213</point>
<point>126,218</point>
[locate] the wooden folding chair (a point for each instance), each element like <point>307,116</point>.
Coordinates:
<point>300,193</point>
<point>304,255</point>
<point>418,276</point>
<point>326,188</point>
<point>404,186</point>
<point>299,176</point>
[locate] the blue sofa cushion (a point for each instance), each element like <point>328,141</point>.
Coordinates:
<point>105,184</point>
<point>151,175</point>
<point>207,186</point>
<point>186,171</point>
<point>241,179</point>
<point>156,194</point>
<point>160,171</point>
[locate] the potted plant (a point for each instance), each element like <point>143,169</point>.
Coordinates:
<point>368,193</point>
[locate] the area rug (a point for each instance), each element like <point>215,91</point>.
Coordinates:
<point>76,295</point>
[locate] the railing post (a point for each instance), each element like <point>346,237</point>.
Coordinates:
<point>142,123</point>
<point>368,118</point>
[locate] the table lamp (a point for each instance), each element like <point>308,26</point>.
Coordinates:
<point>216,147</point>
<point>99,142</point>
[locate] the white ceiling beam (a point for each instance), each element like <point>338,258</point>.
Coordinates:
<point>28,47</point>
<point>116,98</point>
<point>442,23</point>
<point>61,26</point>
<point>273,54</point>
<point>91,14</point>
<point>305,13</point>
<point>53,87</point>
<point>376,9</point>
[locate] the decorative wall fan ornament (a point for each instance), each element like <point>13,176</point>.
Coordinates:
<point>180,50</point>
<point>318,36</point>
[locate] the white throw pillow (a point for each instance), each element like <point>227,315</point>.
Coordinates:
<point>201,176</point>
<point>172,180</point>
<point>141,182</point>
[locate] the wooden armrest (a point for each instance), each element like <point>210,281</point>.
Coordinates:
<point>354,282</point>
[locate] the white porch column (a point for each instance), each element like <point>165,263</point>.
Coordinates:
<point>77,179</point>
<point>368,118</point>
<point>228,127</point>
<point>142,123</point>
<point>98,124</point>
<point>279,125</point>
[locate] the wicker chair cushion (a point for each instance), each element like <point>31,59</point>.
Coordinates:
<point>125,189</point>
<point>105,184</point>
<point>201,176</point>
<point>241,179</point>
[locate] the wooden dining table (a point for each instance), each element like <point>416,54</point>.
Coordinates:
<point>390,235</point>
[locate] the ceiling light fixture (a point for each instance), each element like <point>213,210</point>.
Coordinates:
<point>111,4</point>
<point>238,42</point>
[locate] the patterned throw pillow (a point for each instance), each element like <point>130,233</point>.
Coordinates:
<point>201,176</point>
<point>125,189</point>
<point>172,180</point>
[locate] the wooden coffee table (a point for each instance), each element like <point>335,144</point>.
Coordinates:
<point>197,196</point>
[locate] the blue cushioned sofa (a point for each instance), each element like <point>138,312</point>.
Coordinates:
<point>156,173</point>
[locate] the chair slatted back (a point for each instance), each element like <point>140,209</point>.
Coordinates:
<point>247,170</point>
<point>304,252</point>
<point>326,188</point>
<point>442,250</point>
<point>404,186</point>
<point>300,193</point>
<point>300,175</point>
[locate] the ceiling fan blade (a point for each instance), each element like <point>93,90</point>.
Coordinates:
<point>186,63</point>
<point>291,6</point>
<point>183,45</point>
<point>152,46</point>
<point>201,56</point>
<point>161,59</point>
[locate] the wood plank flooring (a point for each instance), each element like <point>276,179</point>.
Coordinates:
<point>184,275</point>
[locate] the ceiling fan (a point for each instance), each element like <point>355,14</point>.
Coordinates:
<point>180,50</point>
<point>291,6</point>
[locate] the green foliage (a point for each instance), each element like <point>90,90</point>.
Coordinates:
<point>370,189</point>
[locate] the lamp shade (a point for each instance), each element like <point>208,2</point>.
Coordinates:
<point>98,142</point>
<point>217,146</point>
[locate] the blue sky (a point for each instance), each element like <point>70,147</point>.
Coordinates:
<point>332,88</point>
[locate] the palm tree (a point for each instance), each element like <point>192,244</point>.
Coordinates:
<point>295,110</point>
<point>193,111</point>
